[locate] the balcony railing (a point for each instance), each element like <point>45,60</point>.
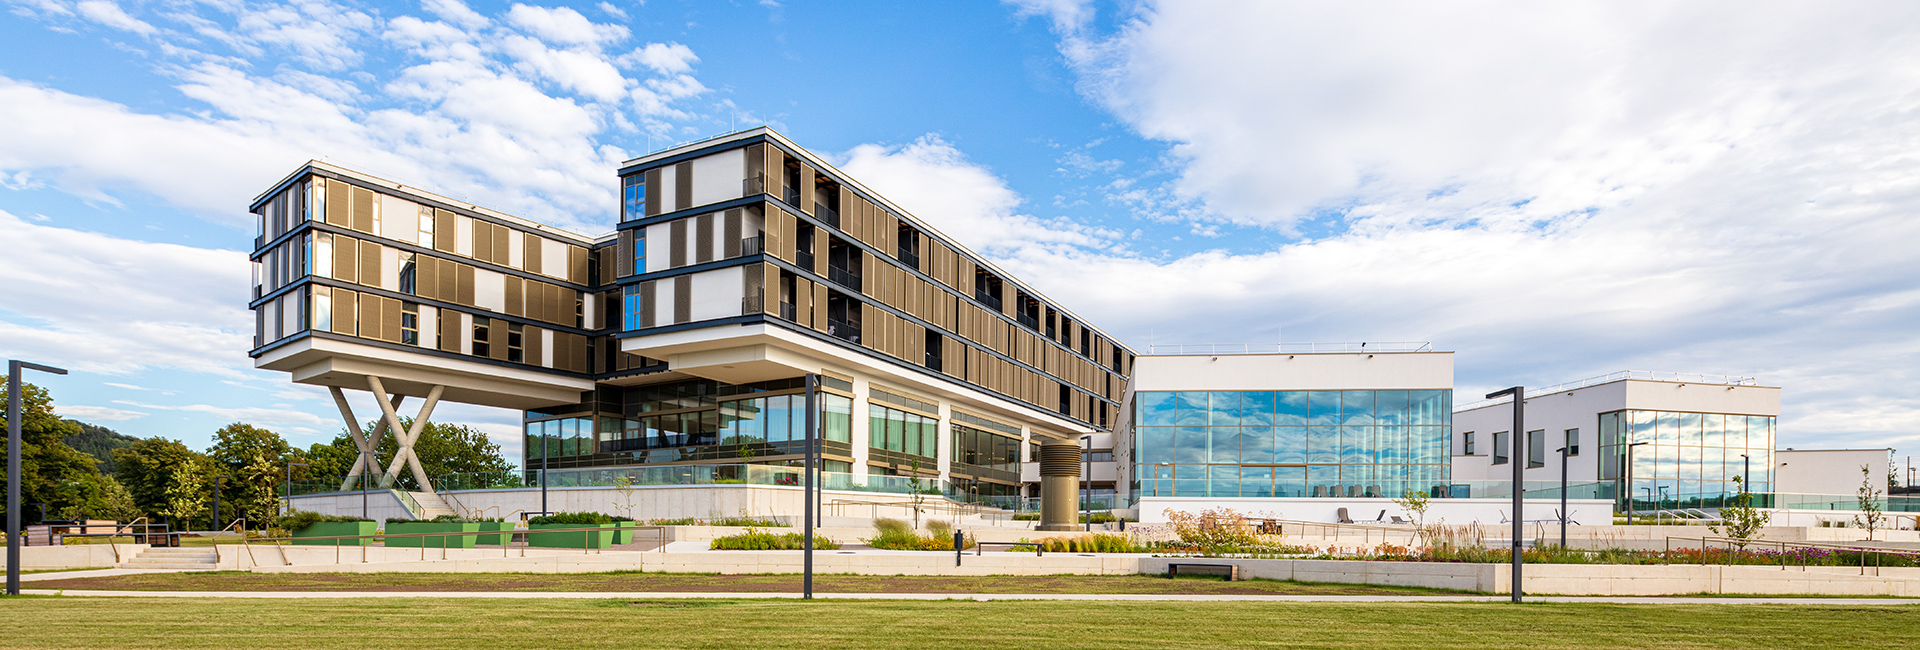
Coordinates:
<point>791,195</point>
<point>753,303</point>
<point>843,330</point>
<point>1029,321</point>
<point>755,184</point>
<point>843,277</point>
<point>752,245</point>
<point>804,258</point>
<point>911,259</point>
<point>987,299</point>
<point>933,362</point>
<point>824,213</point>
<point>789,311</point>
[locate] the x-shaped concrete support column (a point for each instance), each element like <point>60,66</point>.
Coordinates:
<point>369,445</point>
<point>405,436</point>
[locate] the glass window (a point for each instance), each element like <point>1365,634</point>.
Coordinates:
<point>480,348</point>
<point>1356,407</point>
<point>1256,408</point>
<point>1256,445</point>
<point>1256,481</point>
<point>1225,445</point>
<point>1689,429</point>
<point>1290,445</point>
<point>1157,445</point>
<point>1500,448</point>
<point>639,251</point>
<point>323,255</point>
<point>1573,442</point>
<point>426,227</point>
<point>1427,407</point>
<point>1290,482</point>
<point>1192,408</point>
<point>1537,448</point>
<point>1224,409</point>
<point>1225,481</point>
<point>1290,408</point>
<point>1156,409</point>
<point>410,324</point>
<point>1390,407</point>
<point>1323,407</point>
<point>633,196</point>
<point>836,423</point>
<point>516,351</point>
<point>1356,445</point>
<point>1323,445</point>
<point>1393,444</point>
<point>1192,445</point>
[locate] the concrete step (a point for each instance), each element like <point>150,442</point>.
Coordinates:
<point>191,566</point>
<point>176,551</point>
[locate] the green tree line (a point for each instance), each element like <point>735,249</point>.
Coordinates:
<point>79,471</point>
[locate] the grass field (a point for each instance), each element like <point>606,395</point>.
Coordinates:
<point>558,624</point>
<point>705,582</point>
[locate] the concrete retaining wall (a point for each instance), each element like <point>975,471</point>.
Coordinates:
<point>76,556</point>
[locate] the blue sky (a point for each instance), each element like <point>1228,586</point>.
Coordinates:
<point>1554,192</point>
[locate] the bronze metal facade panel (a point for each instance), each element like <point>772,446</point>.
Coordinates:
<point>448,273</point>
<point>623,256</point>
<point>534,341</point>
<point>372,310</point>
<point>449,338</point>
<point>496,339</point>
<point>683,186</point>
<point>444,231</point>
<point>677,244</point>
<point>463,285</point>
<point>770,278</point>
<point>339,204</point>
<point>806,189</point>
<point>363,207</point>
<point>703,238</point>
<point>682,299</point>
<point>653,192</point>
<point>369,264</point>
<point>390,315</point>
<point>346,258</point>
<point>482,241</point>
<point>576,264</point>
<point>730,234</point>
<point>647,294</point>
<point>530,252</point>
<point>344,310</point>
<point>426,277</point>
<point>501,250</point>
<point>780,234</point>
<point>820,306</point>
<point>516,296</point>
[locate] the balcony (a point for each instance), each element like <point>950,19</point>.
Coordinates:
<point>987,299</point>
<point>753,303</point>
<point>843,277</point>
<point>1029,321</point>
<point>933,362</point>
<point>755,184</point>
<point>843,330</point>
<point>789,311</point>
<point>804,258</point>
<point>791,195</point>
<point>826,214</point>
<point>752,245</point>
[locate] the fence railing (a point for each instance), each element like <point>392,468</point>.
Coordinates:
<point>1290,348</point>
<point>657,475</point>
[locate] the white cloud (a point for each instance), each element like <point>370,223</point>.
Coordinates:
<point>96,413</point>
<point>115,306</point>
<point>321,34</point>
<point>937,183</point>
<point>457,13</point>
<point>271,418</point>
<point>564,26</point>
<point>111,15</point>
<point>616,12</point>
<point>665,58</point>
<point>1067,15</point>
<point>583,72</point>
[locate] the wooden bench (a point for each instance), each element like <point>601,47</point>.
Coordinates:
<point>1230,571</point>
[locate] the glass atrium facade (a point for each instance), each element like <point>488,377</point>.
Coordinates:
<point>1689,459</point>
<point>692,421</point>
<point>1355,443</point>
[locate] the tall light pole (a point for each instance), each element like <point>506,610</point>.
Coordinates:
<point>1563,496</point>
<point>13,467</point>
<point>1629,489</point>
<point>290,465</point>
<point>1519,394</point>
<point>806,526</point>
<point>1746,473</point>
<point>216,501</point>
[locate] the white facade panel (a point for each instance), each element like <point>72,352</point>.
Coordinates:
<point>516,249</point>
<point>490,290</point>
<point>462,234</point>
<point>718,177</point>
<point>663,303</point>
<point>1229,372</point>
<point>667,188</point>
<point>1829,471</point>
<point>429,327</point>
<point>389,268</point>
<point>553,259</point>
<point>717,293</point>
<point>399,219</point>
<point>659,247</point>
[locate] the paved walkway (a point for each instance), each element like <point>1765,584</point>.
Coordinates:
<point>94,573</point>
<point>642,595</point>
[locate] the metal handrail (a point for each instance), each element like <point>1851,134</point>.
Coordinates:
<point>116,533</point>
<point>1290,348</point>
<point>1645,375</point>
<point>660,535</point>
<point>241,522</point>
<point>1784,545</point>
<point>407,501</point>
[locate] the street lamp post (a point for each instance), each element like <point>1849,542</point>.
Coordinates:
<point>1563,496</point>
<point>14,368</point>
<point>1519,394</point>
<point>1662,503</point>
<point>1629,489</point>
<point>1746,473</point>
<point>290,465</point>
<point>807,494</point>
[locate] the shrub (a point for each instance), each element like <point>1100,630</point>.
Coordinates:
<point>1213,528</point>
<point>938,528</point>
<point>683,521</point>
<point>753,522</point>
<point>758,540</point>
<point>575,518</point>
<point>1095,543</point>
<point>896,535</point>
<point>299,519</point>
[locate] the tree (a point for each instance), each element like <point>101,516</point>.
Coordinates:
<point>1740,520</point>
<point>1870,506</point>
<point>99,442</point>
<point>186,495</point>
<point>50,471</point>
<point>1415,503</point>
<point>254,460</point>
<point>147,469</point>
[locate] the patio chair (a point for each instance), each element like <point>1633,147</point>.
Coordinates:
<point>1344,518</point>
<point>1398,521</point>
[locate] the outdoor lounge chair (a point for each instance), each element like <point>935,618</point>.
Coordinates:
<point>1398,520</point>
<point>1344,518</point>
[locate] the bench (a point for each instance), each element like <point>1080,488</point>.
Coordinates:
<point>1230,571</point>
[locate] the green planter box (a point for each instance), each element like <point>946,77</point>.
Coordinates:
<point>336,529</point>
<point>624,533</point>
<point>496,527</point>
<point>448,541</point>
<point>601,538</point>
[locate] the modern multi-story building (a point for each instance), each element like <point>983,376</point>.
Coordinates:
<point>1682,438</point>
<point>740,264</point>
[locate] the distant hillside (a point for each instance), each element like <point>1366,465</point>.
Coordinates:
<point>99,442</point>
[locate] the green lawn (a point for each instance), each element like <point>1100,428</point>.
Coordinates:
<point>706,582</point>
<point>556,624</point>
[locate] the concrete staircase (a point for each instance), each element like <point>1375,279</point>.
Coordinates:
<point>431,505</point>
<point>186,557</point>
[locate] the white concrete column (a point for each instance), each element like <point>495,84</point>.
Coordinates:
<point>860,440</point>
<point>944,437</point>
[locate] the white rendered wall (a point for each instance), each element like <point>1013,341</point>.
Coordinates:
<point>553,259</point>
<point>1828,471</point>
<point>718,177</point>
<point>490,290</point>
<point>717,293</point>
<point>659,247</point>
<point>399,219</point>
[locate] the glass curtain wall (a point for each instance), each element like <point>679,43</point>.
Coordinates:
<point>690,421</point>
<point>1292,443</point>
<point>907,433</point>
<point>1690,459</point>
